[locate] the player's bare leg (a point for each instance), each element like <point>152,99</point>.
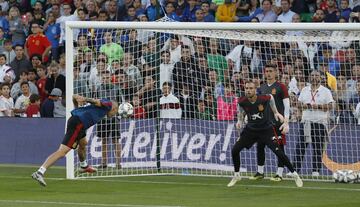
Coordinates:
<point>104,152</point>
<point>84,167</point>
<point>117,153</point>
<point>60,153</point>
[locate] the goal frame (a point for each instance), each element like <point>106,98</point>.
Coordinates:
<point>71,25</point>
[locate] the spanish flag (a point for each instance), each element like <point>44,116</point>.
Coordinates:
<point>331,81</point>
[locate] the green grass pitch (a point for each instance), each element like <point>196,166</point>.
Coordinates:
<point>18,189</point>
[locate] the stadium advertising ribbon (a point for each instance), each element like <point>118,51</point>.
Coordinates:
<point>334,166</point>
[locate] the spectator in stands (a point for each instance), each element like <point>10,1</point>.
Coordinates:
<point>131,70</point>
<point>210,105</point>
<point>170,11</point>
<point>53,31</point>
<point>20,61</point>
<point>227,12</point>
<point>62,64</point>
<point>91,6</point>
<point>82,43</point>
<point>122,10</point>
<point>16,87</point>
<point>150,96</point>
<point>319,16</point>
<point>17,29</point>
<point>112,50</point>
<point>99,69</point>
<point>342,98</point>
<point>180,7</point>
<point>199,15</point>
<point>37,43</point>
<point>244,54</point>
<point>215,60</point>
<point>2,40</point>
<point>154,10</point>
<point>54,80</point>
<point>133,46</point>
<point>227,105</point>
<point>214,85</point>
<point>139,111</point>
<point>103,15</point>
<point>188,102</point>
<point>202,112</point>
<point>354,79</point>
<point>32,76</point>
<point>316,101</point>
<point>41,82</point>
<point>166,67</point>
<point>286,14</point>
<point>174,48</point>
<point>267,15</point>
<point>202,75</point>
<point>169,104</point>
<point>9,51</point>
<point>325,56</point>
<point>6,101</point>
<point>47,108</point>
<point>345,10</point>
<point>111,10</point>
<point>35,60</point>
<point>127,86</point>
<point>186,72</point>
<point>6,73</point>
<point>22,102</point>
<point>355,98</point>
<point>208,17</point>
<point>331,13</point>
<point>33,110</point>
<point>131,14</point>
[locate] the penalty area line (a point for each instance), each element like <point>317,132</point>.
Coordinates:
<point>78,204</point>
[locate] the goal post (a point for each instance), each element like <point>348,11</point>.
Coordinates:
<point>103,59</point>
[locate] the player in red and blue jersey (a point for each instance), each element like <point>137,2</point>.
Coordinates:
<point>82,118</point>
<point>259,129</point>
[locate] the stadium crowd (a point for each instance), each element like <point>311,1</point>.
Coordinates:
<point>203,75</point>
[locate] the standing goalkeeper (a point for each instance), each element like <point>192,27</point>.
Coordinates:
<point>281,97</point>
<point>81,119</point>
<point>257,130</point>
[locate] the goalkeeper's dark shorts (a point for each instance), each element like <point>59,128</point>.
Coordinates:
<point>278,137</point>
<point>74,132</point>
<point>108,127</point>
<point>249,137</point>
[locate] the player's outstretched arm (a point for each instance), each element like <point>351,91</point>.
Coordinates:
<point>80,100</point>
<point>277,115</point>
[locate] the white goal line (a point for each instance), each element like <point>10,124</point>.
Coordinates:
<point>198,184</point>
<point>79,204</point>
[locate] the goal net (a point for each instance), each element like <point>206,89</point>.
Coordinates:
<point>203,67</point>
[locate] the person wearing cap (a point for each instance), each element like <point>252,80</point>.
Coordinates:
<point>37,43</point>
<point>47,108</point>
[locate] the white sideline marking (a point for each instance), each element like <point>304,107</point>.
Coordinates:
<point>194,184</point>
<point>78,204</point>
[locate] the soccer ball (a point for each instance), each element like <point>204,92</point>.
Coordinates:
<point>345,176</point>
<point>125,110</point>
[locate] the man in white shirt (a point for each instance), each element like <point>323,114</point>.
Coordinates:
<point>6,73</point>
<point>315,101</point>
<point>169,104</point>
<point>287,14</point>
<point>166,67</point>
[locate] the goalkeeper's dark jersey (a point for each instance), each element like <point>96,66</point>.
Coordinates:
<point>258,113</point>
<point>279,92</point>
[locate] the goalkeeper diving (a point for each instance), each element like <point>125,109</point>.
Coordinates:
<point>82,117</point>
